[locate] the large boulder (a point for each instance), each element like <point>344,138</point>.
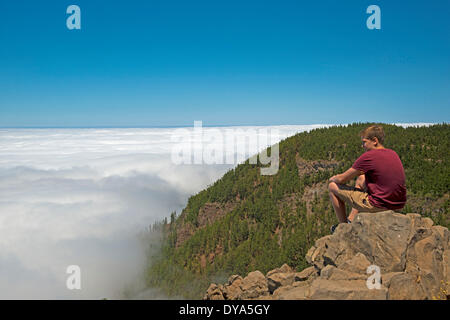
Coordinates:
<point>254,285</point>
<point>383,255</point>
<point>282,276</point>
<point>381,237</point>
<point>405,286</point>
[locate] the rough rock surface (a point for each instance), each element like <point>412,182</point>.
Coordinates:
<point>411,255</point>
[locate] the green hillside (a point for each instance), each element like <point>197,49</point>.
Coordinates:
<point>246,221</point>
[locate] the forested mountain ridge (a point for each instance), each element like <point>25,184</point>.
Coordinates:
<point>246,221</point>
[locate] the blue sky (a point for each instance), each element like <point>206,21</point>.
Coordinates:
<point>158,63</point>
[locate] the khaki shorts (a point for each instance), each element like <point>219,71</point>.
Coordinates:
<point>357,198</point>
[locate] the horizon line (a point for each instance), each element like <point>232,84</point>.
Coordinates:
<point>211,126</point>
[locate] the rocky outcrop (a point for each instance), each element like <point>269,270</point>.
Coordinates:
<point>383,255</point>
<point>207,214</point>
<point>305,167</point>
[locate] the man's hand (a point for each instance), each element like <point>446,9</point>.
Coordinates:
<point>346,176</point>
<point>335,179</point>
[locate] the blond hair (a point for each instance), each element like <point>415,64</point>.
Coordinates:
<point>374,131</point>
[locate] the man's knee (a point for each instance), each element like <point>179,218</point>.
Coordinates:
<point>332,187</point>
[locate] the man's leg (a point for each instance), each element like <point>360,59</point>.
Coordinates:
<point>361,184</point>
<point>338,204</point>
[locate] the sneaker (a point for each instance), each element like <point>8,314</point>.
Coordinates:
<point>333,227</point>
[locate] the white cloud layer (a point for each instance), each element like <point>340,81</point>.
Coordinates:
<point>80,197</point>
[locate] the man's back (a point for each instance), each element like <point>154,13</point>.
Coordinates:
<point>385,178</point>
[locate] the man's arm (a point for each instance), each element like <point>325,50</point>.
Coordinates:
<point>346,176</point>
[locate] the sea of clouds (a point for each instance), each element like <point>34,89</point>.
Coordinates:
<point>82,197</point>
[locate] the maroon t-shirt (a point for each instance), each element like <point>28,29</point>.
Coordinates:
<point>385,178</point>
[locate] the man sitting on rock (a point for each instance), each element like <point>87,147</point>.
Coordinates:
<point>380,184</point>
